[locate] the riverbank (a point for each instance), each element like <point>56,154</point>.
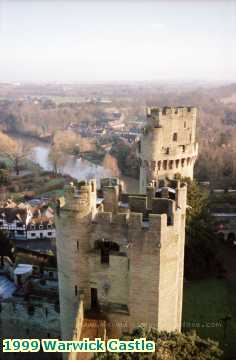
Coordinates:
<point>76,167</point>
<point>24,135</point>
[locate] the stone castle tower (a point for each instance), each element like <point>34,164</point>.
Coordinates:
<point>123,255</point>
<point>168,144</point>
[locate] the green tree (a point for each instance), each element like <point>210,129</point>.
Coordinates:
<point>4,177</point>
<point>6,246</point>
<point>169,346</point>
<point>201,237</point>
<point>16,151</point>
<point>12,123</point>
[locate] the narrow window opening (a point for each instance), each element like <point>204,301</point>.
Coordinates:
<point>76,290</point>
<point>175,136</point>
<point>139,147</point>
<point>105,255</point>
<point>94,298</point>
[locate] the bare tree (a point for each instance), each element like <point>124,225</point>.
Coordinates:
<point>16,151</point>
<point>64,142</point>
<point>67,143</point>
<point>110,163</point>
<point>57,159</point>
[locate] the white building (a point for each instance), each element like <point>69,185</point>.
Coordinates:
<point>24,222</point>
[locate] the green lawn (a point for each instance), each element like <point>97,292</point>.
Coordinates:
<point>205,304</point>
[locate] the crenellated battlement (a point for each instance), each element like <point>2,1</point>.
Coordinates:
<point>114,206</point>
<point>132,220</point>
<point>170,116</point>
<point>171,110</point>
<point>145,210</point>
<point>81,197</point>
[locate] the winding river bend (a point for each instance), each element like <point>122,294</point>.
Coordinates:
<point>80,169</point>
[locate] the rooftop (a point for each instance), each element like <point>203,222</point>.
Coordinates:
<point>7,287</point>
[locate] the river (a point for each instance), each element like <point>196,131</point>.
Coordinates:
<point>80,169</point>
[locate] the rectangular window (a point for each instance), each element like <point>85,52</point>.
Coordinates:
<point>175,136</point>
<point>139,147</point>
<point>49,233</point>
<point>104,255</point>
<point>94,298</point>
<point>76,290</point>
<point>32,234</point>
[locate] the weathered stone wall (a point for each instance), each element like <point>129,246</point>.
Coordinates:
<point>72,223</point>
<point>142,283</point>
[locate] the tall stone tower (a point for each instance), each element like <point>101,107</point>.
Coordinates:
<point>168,144</point>
<point>123,255</point>
<point>72,225</point>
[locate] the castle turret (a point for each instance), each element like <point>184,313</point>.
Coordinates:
<point>168,146</point>
<point>72,224</point>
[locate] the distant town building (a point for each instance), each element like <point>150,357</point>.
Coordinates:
<point>24,222</point>
<point>27,308</point>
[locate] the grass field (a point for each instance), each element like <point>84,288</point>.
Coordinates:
<point>205,304</point>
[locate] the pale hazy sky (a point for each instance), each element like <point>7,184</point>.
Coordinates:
<point>50,40</point>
